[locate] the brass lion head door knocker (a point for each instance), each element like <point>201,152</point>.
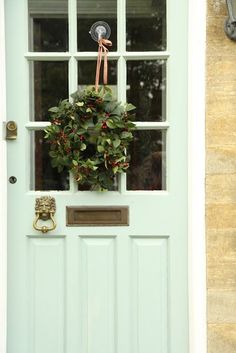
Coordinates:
<point>45,208</point>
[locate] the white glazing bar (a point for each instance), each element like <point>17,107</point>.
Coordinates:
<point>73,64</point>
<point>93,55</point>
<point>31,33</point>
<point>167,160</point>
<point>121,79</point>
<point>121,85</point>
<point>47,56</point>
<point>31,91</point>
<point>37,125</point>
<point>31,137</point>
<point>73,79</point>
<point>52,192</point>
<point>148,55</point>
<point>121,25</point>
<point>164,94</point>
<point>72,19</point>
<point>72,88</point>
<point>73,75</point>
<point>73,72</point>
<point>73,184</point>
<point>123,182</point>
<point>152,193</point>
<point>121,75</point>
<point>31,158</point>
<point>146,125</point>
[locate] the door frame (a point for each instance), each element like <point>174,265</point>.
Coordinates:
<point>196,179</point>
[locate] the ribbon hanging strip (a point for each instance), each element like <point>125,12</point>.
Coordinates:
<point>102,48</point>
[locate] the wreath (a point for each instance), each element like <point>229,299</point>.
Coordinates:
<point>90,137</point>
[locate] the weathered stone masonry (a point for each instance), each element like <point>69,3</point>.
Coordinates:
<point>220,182</point>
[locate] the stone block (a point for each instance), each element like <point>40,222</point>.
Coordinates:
<point>221,306</point>
<point>221,131</point>
<point>221,70</point>
<point>221,338</point>
<point>221,216</point>
<point>221,258</point>
<point>221,102</point>
<point>216,8</point>
<point>218,44</point>
<point>221,160</point>
<point>220,188</point>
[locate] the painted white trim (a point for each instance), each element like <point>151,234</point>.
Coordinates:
<point>48,56</point>
<point>197,266</point>
<point>3,193</point>
<point>152,125</point>
<point>40,125</point>
<point>196,176</point>
<point>37,125</point>
<point>149,55</point>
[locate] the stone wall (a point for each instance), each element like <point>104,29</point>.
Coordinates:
<point>221,182</point>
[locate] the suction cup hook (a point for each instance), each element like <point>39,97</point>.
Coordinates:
<point>100,29</point>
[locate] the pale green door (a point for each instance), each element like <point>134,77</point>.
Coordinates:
<point>99,289</point>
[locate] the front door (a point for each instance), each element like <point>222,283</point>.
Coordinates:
<point>119,286</point>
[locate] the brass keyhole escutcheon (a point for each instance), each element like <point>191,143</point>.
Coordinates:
<point>45,208</point>
<point>11,125</point>
<point>11,130</point>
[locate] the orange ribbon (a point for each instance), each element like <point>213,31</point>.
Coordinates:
<point>102,48</point>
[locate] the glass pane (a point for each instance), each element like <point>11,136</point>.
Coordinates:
<point>146,89</point>
<point>43,176</point>
<point>48,25</point>
<point>87,71</point>
<point>87,187</point>
<point>146,25</point>
<point>50,84</point>
<point>148,161</point>
<point>93,11</point>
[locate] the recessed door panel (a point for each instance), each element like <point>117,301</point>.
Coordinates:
<point>46,266</point>
<point>150,294</point>
<point>98,280</point>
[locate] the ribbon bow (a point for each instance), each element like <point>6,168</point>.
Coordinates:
<point>102,48</point>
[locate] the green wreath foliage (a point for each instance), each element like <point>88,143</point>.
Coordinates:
<point>90,137</point>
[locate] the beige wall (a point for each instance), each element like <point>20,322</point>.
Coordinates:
<point>221,182</point>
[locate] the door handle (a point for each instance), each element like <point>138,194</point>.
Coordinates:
<point>45,208</point>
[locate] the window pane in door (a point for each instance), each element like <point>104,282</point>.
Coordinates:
<point>146,88</point>
<point>50,85</point>
<point>43,176</point>
<point>146,25</point>
<point>148,161</point>
<point>87,70</point>
<point>48,25</point>
<point>92,11</point>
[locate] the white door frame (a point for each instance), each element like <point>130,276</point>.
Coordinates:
<point>196,145</point>
<point>3,192</point>
<point>196,176</point>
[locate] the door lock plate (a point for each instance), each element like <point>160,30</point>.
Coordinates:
<point>11,130</point>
